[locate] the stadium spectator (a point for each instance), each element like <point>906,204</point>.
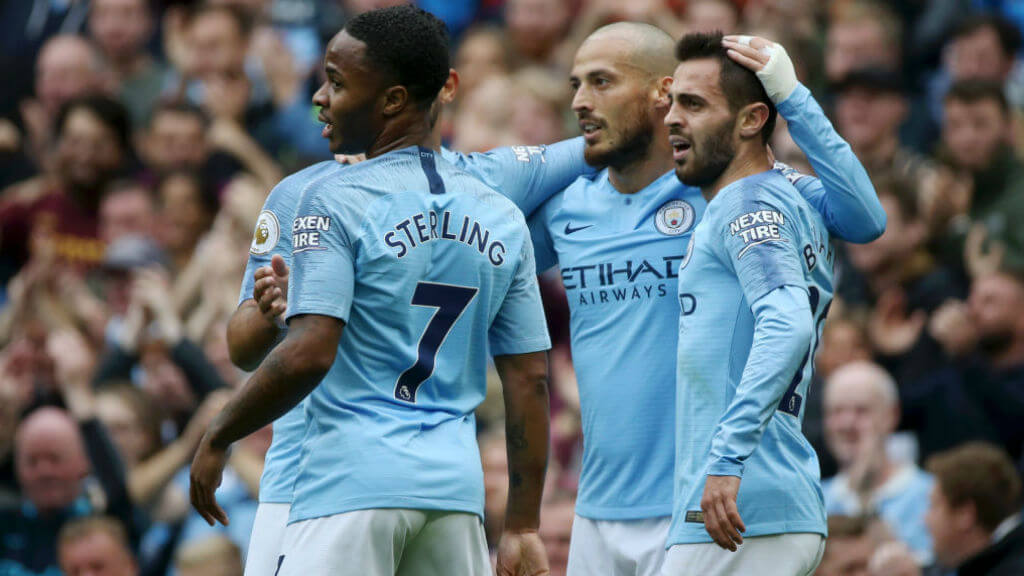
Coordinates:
<point>976,139</point>
<point>537,107</point>
<point>978,394</point>
<point>186,212</point>
<point>51,459</point>
<point>861,34</point>
<point>861,413</point>
<point>122,30</point>
<point>481,54</point>
<point>68,67</point>
<point>870,106</point>
<point>974,516</point>
<point>92,148</point>
<point>126,209</point>
<point>95,546</point>
<point>536,28</point>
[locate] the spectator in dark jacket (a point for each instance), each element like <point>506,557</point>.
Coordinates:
<point>975,512</point>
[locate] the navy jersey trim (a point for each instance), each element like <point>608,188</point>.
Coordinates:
<point>430,170</point>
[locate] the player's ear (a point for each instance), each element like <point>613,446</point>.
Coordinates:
<point>451,86</point>
<point>396,99</point>
<point>664,95</point>
<point>751,119</point>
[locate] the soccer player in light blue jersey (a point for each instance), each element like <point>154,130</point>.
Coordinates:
<point>527,175</point>
<point>405,271</point>
<point>619,237</point>
<point>754,290</point>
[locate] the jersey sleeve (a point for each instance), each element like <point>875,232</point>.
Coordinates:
<point>540,232</point>
<point>760,243</point>
<point>844,196</point>
<point>783,324</point>
<point>527,175</point>
<point>271,235</point>
<point>520,326</point>
<point>323,258</point>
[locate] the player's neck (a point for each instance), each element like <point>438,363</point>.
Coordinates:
<point>750,159</point>
<point>637,175</point>
<point>402,132</point>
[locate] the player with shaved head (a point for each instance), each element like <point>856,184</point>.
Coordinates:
<point>619,237</point>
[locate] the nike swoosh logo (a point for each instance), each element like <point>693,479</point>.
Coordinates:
<point>569,229</point>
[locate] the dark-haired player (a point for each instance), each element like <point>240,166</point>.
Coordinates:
<point>619,237</point>
<point>756,286</point>
<point>405,269</point>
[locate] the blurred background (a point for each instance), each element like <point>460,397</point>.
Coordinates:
<point>139,139</point>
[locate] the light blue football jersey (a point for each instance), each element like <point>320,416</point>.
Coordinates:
<point>619,256</point>
<point>758,235</point>
<point>527,175</point>
<point>429,269</point>
<point>902,502</point>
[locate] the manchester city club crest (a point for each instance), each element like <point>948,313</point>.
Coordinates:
<point>675,217</point>
<point>267,232</point>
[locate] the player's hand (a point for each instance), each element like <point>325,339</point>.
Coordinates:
<point>768,60</point>
<point>522,554</point>
<point>721,517</point>
<point>205,476</point>
<point>271,289</point>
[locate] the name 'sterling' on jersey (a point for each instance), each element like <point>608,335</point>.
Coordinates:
<point>429,226</point>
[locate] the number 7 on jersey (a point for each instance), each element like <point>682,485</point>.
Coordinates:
<point>451,301</point>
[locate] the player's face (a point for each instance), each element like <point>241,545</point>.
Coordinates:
<point>700,123</point>
<point>615,103</point>
<point>348,96</point>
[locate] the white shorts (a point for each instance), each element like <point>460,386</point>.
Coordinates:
<point>776,555</point>
<point>387,542</point>
<point>617,547</point>
<point>267,538</point>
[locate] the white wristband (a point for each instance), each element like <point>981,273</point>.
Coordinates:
<point>778,76</point>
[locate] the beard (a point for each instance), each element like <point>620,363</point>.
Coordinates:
<point>709,157</point>
<point>633,143</point>
<point>995,342</point>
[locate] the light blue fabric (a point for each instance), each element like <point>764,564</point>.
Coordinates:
<point>754,291</point>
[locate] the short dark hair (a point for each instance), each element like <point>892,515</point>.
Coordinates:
<point>980,474</point>
<point>408,44</point>
<point>110,113</point>
<point>974,90</point>
<point>178,107</point>
<point>1009,35</point>
<point>741,86</point>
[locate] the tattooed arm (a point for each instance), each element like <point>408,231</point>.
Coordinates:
<point>290,372</point>
<point>524,379</point>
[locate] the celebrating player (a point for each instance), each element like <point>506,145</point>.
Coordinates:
<point>619,237</point>
<point>405,269</point>
<point>754,290</point>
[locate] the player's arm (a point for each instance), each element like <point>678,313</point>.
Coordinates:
<point>288,374</point>
<point>320,299</point>
<point>518,339</point>
<point>768,267</point>
<point>257,325</point>
<point>844,196</point>
<point>527,175</point>
<point>524,380</point>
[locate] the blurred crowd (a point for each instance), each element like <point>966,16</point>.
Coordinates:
<point>139,139</point>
